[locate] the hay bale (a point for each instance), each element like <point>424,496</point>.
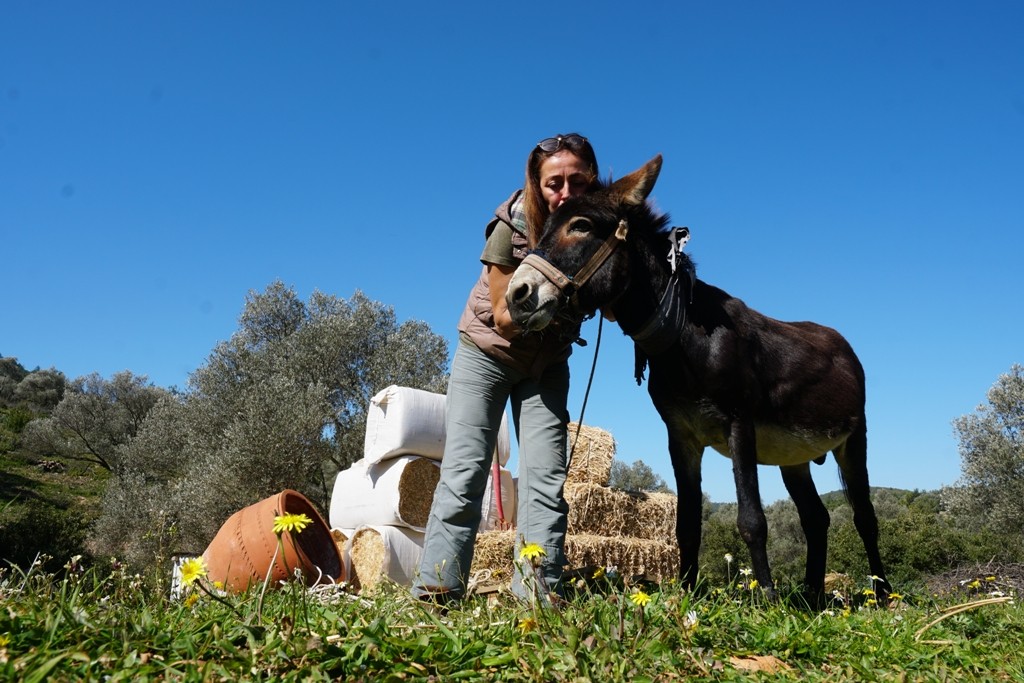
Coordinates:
<point>601,511</point>
<point>593,455</point>
<point>493,552</point>
<point>341,538</point>
<point>394,492</point>
<point>656,560</point>
<point>416,491</point>
<point>406,421</point>
<point>385,551</point>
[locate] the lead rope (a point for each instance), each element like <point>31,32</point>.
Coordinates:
<point>586,394</point>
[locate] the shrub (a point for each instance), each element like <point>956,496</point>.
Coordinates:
<point>41,530</point>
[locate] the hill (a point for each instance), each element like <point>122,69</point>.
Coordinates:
<point>46,507</point>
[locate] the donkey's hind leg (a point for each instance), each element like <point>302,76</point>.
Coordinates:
<point>814,520</point>
<point>852,457</point>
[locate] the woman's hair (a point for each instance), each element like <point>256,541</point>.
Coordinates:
<point>534,205</point>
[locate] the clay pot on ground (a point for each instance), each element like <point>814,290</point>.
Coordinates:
<point>246,549</point>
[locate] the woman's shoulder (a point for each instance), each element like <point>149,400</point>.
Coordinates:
<point>509,212</point>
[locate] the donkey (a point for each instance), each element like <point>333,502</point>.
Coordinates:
<point>755,389</point>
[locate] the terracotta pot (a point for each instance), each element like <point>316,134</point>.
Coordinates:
<point>241,553</point>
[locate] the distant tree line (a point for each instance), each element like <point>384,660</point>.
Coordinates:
<point>24,396</point>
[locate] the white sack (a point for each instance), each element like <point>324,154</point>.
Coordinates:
<point>383,493</point>
<point>403,421</point>
<point>403,549</point>
<point>489,520</point>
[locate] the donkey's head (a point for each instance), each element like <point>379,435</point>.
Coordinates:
<point>581,261</point>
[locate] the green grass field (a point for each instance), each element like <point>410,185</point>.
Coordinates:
<point>112,626</point>
<point>60,622</point>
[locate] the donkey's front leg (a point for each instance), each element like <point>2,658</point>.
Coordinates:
<point>750,518</point>
<point>686,461</point>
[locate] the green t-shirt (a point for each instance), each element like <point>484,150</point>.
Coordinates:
<point>498,248</point>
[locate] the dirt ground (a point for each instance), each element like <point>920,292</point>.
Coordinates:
<point>990,579</point>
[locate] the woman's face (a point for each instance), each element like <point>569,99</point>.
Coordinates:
<point>563,175</point>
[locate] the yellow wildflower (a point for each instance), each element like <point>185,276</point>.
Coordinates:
<point>192,599</point>
<point>974,584</point>
<point>291,522</point>
<point>895,597</point>
<point>990,578</point>
<point>753,584</point>
<point>192,569</point>
<point>598,573</point>
<point>870,602</point>
<point>531,551</point>
<point>640,599</point>
<point>5,640</point>
<point>868,592</point>
<point>527,624</point>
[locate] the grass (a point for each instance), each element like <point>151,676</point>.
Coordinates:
<point>46,506</point>
<point>93,625</point>
<point>58,622</point>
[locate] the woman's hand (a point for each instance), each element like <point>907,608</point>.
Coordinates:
<point>498,278</point>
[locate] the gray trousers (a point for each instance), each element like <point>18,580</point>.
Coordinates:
<point>478,389</point>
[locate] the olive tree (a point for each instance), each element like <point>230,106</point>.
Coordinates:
<point>94,419</point>
<point>281,404</point>
<point>637,477</point>
<point>11,374</point>
<point>990,492</point>
<point>37,390</point>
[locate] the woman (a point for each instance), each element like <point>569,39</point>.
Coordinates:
<point>496,363</point>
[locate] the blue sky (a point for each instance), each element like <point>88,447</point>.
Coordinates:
<point>856,164</point>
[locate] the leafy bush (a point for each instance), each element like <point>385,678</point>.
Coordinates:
<point>990,492</point>
<point>41,530</point>
<point>12,423</point>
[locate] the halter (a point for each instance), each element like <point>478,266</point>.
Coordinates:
<point>568,286</point>
<point>662,328</point>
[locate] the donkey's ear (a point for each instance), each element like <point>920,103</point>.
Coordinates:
<point>634,188</point>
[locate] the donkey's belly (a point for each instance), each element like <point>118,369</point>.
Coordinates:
<point>779,446</point>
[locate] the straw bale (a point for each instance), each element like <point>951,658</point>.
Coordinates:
<point>494,552</point>
<point>407,421</point>
<point>367,553</point>
<point>601,511</point>
<point>393,492</point>
<point>656,560</point>
<point>416,491</point>
<point>377,552</point>
<point>593,455</point>
<point>341,538</point>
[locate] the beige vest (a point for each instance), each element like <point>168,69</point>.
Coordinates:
<point>530,352</point>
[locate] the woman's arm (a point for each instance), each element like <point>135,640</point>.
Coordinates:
<point>498,278</point>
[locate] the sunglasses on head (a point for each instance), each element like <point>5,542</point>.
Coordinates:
<point>550,145</point>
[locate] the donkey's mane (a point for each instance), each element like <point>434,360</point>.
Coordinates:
<point>653,225</point>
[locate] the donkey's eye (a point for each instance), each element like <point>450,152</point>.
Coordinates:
<point>580,224</point>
